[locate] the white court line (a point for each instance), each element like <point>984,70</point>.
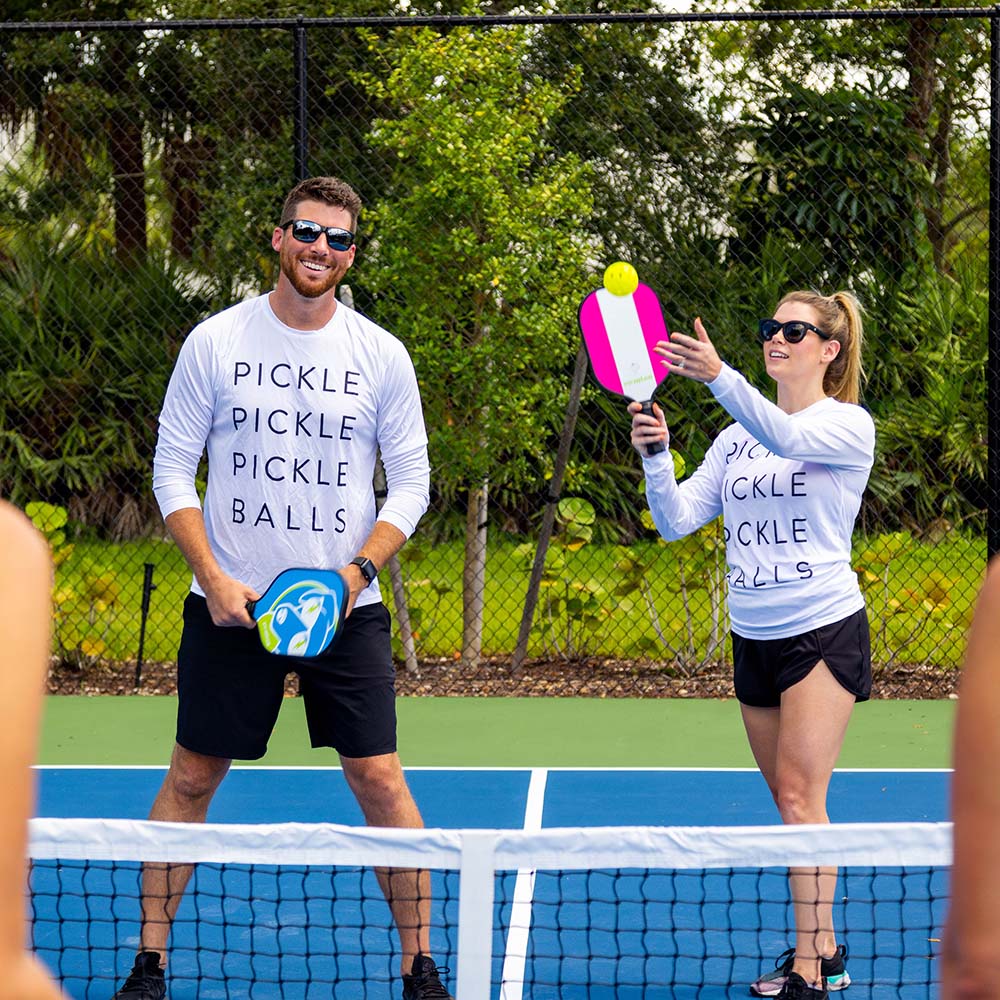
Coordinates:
<point>512,977</point>
<point>581,767</point>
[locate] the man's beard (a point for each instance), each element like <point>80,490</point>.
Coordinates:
<point>310,290</point>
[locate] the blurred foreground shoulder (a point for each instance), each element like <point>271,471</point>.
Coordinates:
<point>21,543</point>
<point>25,622</point>
<point>970,933</point>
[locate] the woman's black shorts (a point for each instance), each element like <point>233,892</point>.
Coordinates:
<point>230,689</point>
<point>766,667</point>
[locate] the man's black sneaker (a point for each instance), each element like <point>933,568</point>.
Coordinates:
<point>146,980</point>
<point>424,981</point>
<point>796,988</point>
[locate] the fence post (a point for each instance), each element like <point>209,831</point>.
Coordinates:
<point>147,589</point>
<point>551,506</point>
<point>301,105</point>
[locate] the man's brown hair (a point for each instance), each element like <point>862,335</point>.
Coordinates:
<point>329,190</point>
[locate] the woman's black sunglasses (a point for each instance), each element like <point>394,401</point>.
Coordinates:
<point>308,232</point>
<point>793,331</point>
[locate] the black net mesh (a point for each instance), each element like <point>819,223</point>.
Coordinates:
<point>672,919</point>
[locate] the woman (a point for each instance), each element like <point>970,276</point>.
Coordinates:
<point>25,622</point>
<point>788,480</point>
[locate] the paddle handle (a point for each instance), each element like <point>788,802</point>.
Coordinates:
<point>657,446</point>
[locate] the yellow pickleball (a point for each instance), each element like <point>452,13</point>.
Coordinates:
<point>620,278</point>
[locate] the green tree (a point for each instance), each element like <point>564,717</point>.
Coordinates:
<point>931,465</point>
<point>836,176</point>
<point>84,96</point>
<point>176,139</point>
<point>933,70</point>
<point>88,349</point>
<point>478,257</point>
<point>864,146</point>
<point>661,157</point>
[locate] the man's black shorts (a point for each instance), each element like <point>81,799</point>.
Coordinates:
<point>766,667</point>
<point>230,689</point>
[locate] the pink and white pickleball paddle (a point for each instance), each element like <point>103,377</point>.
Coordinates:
<point>621,324</point>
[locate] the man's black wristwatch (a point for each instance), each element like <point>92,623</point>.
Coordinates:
<point>367,567</point>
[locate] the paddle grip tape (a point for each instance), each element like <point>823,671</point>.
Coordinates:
<point>657,446</point>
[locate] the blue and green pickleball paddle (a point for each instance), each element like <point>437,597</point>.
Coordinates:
<point>301,612</point>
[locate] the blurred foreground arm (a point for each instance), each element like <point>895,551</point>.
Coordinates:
<point>25,621</point>
<point>968,963</point>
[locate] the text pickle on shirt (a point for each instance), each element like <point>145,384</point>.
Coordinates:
<point>266,438</point>
<point>749,483</point>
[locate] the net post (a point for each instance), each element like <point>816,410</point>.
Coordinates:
<point>475,915</point>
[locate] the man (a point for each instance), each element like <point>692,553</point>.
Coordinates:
<point>291,392</point>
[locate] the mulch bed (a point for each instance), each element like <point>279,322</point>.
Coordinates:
<point>495,678</point>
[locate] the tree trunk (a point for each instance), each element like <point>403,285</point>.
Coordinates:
<point>474,575</point>
<point>921,47</point>
<point>940,152</point>
<point>346,295</point>
<point>128,166</point>
<point>185,164</point>
<point>396,577</point>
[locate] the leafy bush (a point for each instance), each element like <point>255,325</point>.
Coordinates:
<point>88,348</point>
<point>84,606</point>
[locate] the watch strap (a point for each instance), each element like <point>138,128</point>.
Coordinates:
<point>367,567</point>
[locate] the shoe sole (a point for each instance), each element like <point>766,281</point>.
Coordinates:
<point>841,983</point>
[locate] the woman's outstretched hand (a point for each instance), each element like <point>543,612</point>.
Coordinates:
<point>692,357</point>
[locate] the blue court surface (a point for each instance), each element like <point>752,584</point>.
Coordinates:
<point>266,933</point>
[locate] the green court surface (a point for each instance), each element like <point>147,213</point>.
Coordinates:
<point>511,732</point>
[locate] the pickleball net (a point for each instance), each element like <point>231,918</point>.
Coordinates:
<point>295,910</point>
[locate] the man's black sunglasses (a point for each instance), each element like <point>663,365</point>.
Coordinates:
<point>308,232</point>
<point>794,330</point>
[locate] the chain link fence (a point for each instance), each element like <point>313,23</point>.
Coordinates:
<point>504,162</point>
